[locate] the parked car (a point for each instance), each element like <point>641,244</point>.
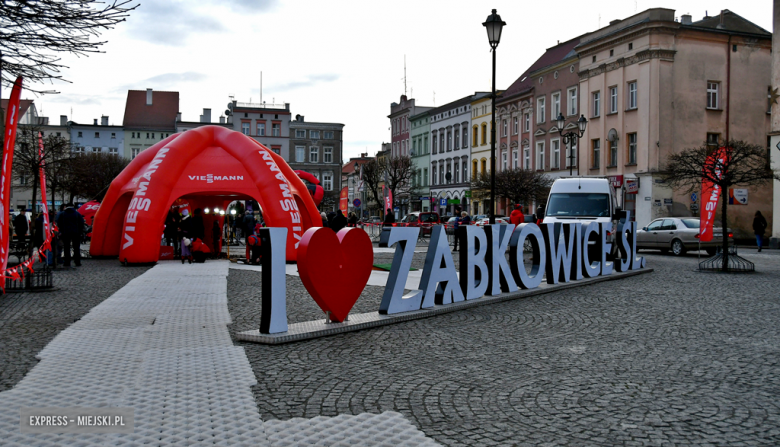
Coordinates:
<point>678,235</point>
<point>425,220</point>
<point>486,221</point>
<point>375,220</point>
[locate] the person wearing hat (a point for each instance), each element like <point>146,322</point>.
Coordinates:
<point>516,216</point>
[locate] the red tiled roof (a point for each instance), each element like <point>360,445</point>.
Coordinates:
<point>551,56</point>
<point>24,104</point>
<point>160,115</point>
<point>353,165</point>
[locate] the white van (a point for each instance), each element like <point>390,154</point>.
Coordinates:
<point>583,200</point>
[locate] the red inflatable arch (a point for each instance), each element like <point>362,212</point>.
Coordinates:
<point>208,166</point>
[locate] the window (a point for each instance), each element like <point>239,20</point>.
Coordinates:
<point>630,46</point>
<point>425,176</point>
<point>595,154</point>
<point>456,172</point>
<point>261,129</point>
<point>113,135</point>
<point>442,178</point>
<point>95,150</point>
<point>449,141</point>
<point>465,170</point>
<point>655,225</point>
<point>484,166</point>
<point>113,150</point>
<point>503,161</point>
<point>613,99</point>
<point>555,161</point>
<point>327,155</point>
<point>540,155</point>
<point>505,128</point>
<point>713,139</point>
<point>79,134</point>
<point>526,122</point>
<point>97,134</point>
<point>245,128</point>
<point>596,104</point>
<point>474,136</point>
<point>611,53</point>
<point>135,151</point>
<point>300,133</point>
<point>277,150</point>
<point>514,159</point>
<point>327,181</point>
<point>276,129</point>
<point>465,137</point>
<point>474,167</point>
<point>613,153</point>
<point>328,135</point>
<point>712,95</point>
<point>540,110</point>
<point>300,153</point>
<point>433,177</point>
<point>526,157</point>
<point>435,148</point>
<point>572,101</point>
<point>571,155</point>
<point>314,154</point>
<point>555,99</point>
<point>314,134</point>
<point>632,148</point>
<point>594,59</point>
<point>632,95</point>
<point>484,133</point>
<point>457,138</point>
<point>147,135</point>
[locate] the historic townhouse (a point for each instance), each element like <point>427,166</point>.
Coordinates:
<point>316,148</point>
<point>400,125</point>
<point>421,161</point>
<point>150,116</point>
<point>651,86</point>
<point>450,130</point>
<point>479,145</point>
<point>269,124</point>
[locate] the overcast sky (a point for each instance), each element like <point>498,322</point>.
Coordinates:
<point>333,61</point>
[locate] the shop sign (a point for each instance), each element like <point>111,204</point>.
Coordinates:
<point>616,180</point>
<point>667,201</point>
<point>632,186</point>
<point>738,196</point>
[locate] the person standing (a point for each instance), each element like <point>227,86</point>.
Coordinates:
<point>171,231</point>
<point>389,218</point>
<point>462,223</point>
<point>198,227</point>
<point>338,222</point>
<point>539,214</point>
<point>21,226</point>
<point>71,225</point>
<point>516,216</point>
<point>353,220</point>
<point>759,226</point>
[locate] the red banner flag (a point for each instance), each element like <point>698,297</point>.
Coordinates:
<point>710,192</point>
<point>9,142</point>
<point>344,200</point>
<point>45,210</point>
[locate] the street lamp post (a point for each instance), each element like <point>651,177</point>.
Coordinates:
<point>494,25</point>
<point>569,137</point>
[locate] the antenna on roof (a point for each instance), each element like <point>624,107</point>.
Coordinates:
<point>434,97</point>
<point>261,87</point>
<point>599,20</point>
<point>404,75</point>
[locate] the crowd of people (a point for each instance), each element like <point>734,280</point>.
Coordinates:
<point>68,230</point>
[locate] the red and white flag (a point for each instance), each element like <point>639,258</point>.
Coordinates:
<point>46,226</point>
<point>9,143</point>
<point>710,192</point>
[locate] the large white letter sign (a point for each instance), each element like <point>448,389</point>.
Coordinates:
<point>392,300</point>
<point>576,258</point>
<point>606,248</point>
<point>474,276</point>
<point>538,255</point>
<point>590,269</point>
<point>560,250</point>
<point>624,254</point>
<point>439,269</point>
<point>637,262</point>
<point>499,272</point>
<point>273,250</point>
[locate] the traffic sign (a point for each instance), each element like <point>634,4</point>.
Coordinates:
<point>356,202</point>
<point>694,197</point>
<point>443,202</point>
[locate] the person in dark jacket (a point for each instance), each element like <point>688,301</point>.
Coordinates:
<point>539,214</point>
<point>198,227</point>
<point>38,232</point>
<point>460,226</point>
<point>353,220</point>
<point>171,231</point>
<point>759,226</point>
<point>21,226</point>
<point>389,218</point>
<point>71,225</point>
<point>338,222</point>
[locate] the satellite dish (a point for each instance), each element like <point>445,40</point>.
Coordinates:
<point>230,105</point>
<point>612,135</point>
<point>228,112</point>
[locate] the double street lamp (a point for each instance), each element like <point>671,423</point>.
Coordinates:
<point>571,136</point>
<point>494,25</point>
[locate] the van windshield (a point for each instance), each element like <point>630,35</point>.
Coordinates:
<point>578,205</point>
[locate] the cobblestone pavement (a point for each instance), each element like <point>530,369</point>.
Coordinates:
<point>675,357</point>
<point>29,321</point>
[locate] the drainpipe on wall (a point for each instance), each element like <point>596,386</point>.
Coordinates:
<point>728,86</point>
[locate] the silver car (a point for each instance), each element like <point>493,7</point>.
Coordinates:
<point>678,234</point>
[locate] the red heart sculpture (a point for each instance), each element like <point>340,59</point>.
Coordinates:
<point>335,267</point>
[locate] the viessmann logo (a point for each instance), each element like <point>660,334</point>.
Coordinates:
<point>211,178</point>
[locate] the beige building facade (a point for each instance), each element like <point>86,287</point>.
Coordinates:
<point>651,86</point>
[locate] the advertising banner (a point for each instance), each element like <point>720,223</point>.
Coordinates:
<point>9,140</point>
<point>710,193</point>
<point>738,196</point>
<point>45,208</point>
<point>344,200</point>
<point>388,194</point>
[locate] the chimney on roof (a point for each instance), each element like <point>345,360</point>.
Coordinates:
<point>148,96</point>
<point>95,122</point>
<point>63,120</point>
<point>104,120</point>
<point>206,117</point>
<point>721,25</point>
<point>686,19</point>
<point>615,21</point>
<point>178,117</point>
<point>222,119</point>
